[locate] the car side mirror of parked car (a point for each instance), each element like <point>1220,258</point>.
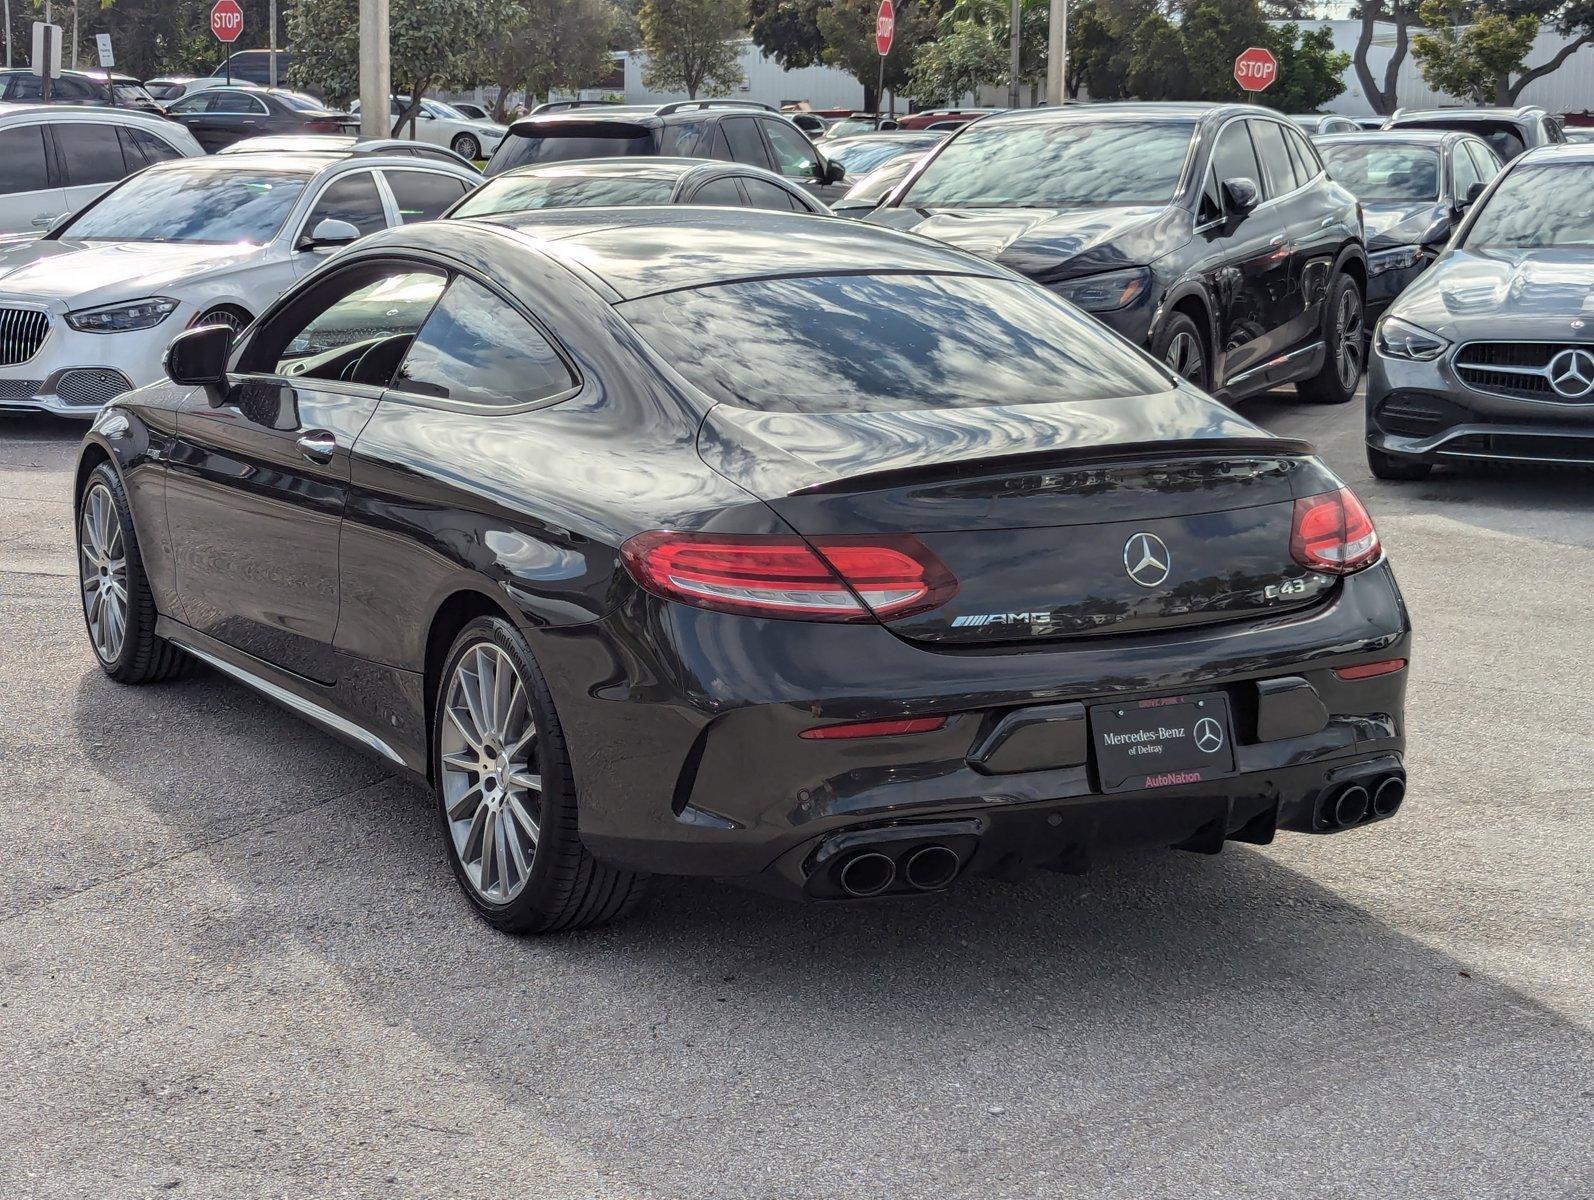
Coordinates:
<point>834,172</point>
<point>198,358</point>
<point>329,233</point>
<point>1471,197</point>
<point>1239,195</point>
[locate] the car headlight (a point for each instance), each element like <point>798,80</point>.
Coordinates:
<point>1400,339</point>
<point>124,317</point>
<point>1397,259</point>
<point>1103,293</point>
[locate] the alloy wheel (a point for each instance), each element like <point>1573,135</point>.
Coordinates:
<point>492,793</point>
<point>1348,323</point>
<point>1184,357</point>
<point>102,568</point>
<point>223,316</point>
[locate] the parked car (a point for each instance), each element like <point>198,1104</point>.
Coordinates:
<point>1318,124</point>
<point>1414,185</point>
<point>866,194</point>
<point>943,118</point>
<point>87,310</point>
<point>344,144</point>
<point>57,157</point>
<point>810,123</point>
<point>857,123</point>
<point>1509,131</point>
<point>728,130</point>
<point>93,88</point>
<point>220,116</point>
<point>1208,233</point>
<point>167,88</point>
<point>862,153</point>
<point>1579,133</point>
<point>474,112</point>
<point>617,182</point>
<point>1490,354</point>
<point>576,534</point>
<point>253,66</point>
<point>440,125</point>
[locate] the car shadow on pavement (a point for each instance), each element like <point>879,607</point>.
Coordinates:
<point>1094,1028</point>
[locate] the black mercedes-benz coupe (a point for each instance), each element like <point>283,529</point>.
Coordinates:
<point>767,546</point>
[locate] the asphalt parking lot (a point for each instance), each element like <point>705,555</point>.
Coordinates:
<point>233,961</point>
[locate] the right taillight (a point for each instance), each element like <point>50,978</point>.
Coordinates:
<point>1332,533</point>
<point>792,578</point>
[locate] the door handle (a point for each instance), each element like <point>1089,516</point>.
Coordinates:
<point>1325,222</point>
<point>46,222</point>
<point>318,445</point>
<point>1277,241</point>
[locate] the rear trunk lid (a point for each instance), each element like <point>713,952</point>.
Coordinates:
<point>1058,520</point>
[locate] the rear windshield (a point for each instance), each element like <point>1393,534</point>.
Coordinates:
<point>1052,164</point>
<point>519,193</point>
<point>868,343</point>
<point>591,139</point>
<point>1502,136</point>
<point>1383,171</point>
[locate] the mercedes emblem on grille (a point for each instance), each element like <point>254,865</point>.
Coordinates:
<point>1571,373</point>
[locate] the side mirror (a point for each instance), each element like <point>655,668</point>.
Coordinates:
<point>1239,195</point>
<point>1471,198</point>
<point>328,233</point>
<point>833,172</point>
<point>198,357</point>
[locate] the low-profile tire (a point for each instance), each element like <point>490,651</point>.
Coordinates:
<point>1344,336</point>
<point>467,147</point>
<point>118,606</point>
<point>235,319</point>
<point>1388,466</point>
<point>1181,346</point>
<point>506,795</point>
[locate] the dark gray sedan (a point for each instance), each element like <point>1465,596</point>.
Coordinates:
<point>607,182</point>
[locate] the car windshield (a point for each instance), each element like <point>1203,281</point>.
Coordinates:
<point>520,193</point>
<point>1054,164</point>
<point>588,139</point>
<point>192,206</point>
<point>872,188</point>
<point>1539,205</point>
<point>862,343</point>
<point>854,125</point>
<point>1381,171</point>
<point>438,109</point>
<point>864,155</point>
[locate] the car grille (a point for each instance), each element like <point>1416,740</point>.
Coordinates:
<point>1518,369</point>
<point>22,332</point>
<point>1417,414</point>
<point>91,386</point>
<point>20,389</point>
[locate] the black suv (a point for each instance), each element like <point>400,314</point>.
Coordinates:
<point>18,85</point>
<point>1509,131</point>
<point>1208,233</point>
<point>741,131</point>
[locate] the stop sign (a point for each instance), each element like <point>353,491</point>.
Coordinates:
<point>227,20</point>
<point>885,27</point>
<point>1255,69</point>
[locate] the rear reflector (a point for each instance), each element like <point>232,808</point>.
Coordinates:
<point>1332,533</point>
<point>868,729</point>
<point>1368,670</point>
<point>784,576</point>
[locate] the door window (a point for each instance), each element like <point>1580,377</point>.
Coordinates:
<point>1277,170</point>
<point>795,156</point>
<point>1483,158</point>
<point>22,151</point>
<point>355,331</point>
<point>1234,157</point>
<point>25,87</point>
<point>352,198</point>
<point>746,146</point>
<point>91,153</point>
<point>720,147</point>
<point>197,103</point>
<point>723,192</point>
<point>476,348</point>
<point>763,194</point>
<point>233,103</point>
<point>1465,171</point>
<point>140,147</point>
<point>423,195</point>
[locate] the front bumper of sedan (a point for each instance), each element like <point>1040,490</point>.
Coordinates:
<point>687,730</point>
<point>68,372</point>
<point>1438,411</point>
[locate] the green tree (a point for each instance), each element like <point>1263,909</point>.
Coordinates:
<point>1481,55</point>
<point>1157,68</point>
<point>689,46</point>
<point>848,29</point>
<point>787,31</point>
<point>1311,71</point>
<point>433,44</point>
<point>551,44</point>
<point>958,61</point>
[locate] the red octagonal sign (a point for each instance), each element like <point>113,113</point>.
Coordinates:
<point>1256,69</point>
<point>227,20</point>
<point>885,27</point>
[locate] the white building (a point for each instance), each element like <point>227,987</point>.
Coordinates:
<point>765,80</point>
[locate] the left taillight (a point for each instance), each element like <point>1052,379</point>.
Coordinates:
<point>791,578</point>
<point>1332,533</point>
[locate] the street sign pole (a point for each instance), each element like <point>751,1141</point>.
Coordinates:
<point>272,69</point>
<point>885,31</point>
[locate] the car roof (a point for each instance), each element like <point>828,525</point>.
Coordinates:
<point>79,112</point>
<point>1493,114</point>
<point>642,251</point>
<point>1582,152</point>
<point>889,135</point>
<point>646,115</point>
<point>1192,111</point>
<point>649,167</point>
<point>1413,137</point>
<point>288,162</point>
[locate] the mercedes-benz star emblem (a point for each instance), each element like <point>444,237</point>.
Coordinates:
<point>1571,373</point>
<point>1208,736</point>
<point>1147,560</point>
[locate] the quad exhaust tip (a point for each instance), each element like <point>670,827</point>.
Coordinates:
<point>867,874</point>
<point>931,868</point>
<point>1350,806</point>
<point>1387,797</point>
<point>1356,802</point>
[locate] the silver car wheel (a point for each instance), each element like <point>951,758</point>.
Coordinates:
<point>1348,324</point>
<point>102,567</point>
<point>1184,357</point>
<point>491,791</point>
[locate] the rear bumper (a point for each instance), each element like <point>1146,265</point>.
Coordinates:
<point>693,764</point>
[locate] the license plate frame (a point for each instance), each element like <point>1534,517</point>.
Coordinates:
<point>1167,741</point>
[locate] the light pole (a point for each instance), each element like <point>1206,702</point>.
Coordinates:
<point>376,70</point>
<point>1057,54</point>
<point>1015,49</point>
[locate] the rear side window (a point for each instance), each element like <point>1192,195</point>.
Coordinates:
<point>723,192</point>
<point>22,152</point>
<point>1277,169</point>
<point>763,194</point>
<point>92,153</point>
<point>141,148</point>
<point>565,142</point>
<point>863,343</point>
<point>354,199</point>
<point>741,133</point>
<point>423,195</point>
<point>1307,163</point>
<point>686,140</point>
<point>476,348</point>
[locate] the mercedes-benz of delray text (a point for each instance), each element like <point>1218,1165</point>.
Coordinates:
<point>693,541</point>
<point>1490,354</point>
<point>1208,233</point>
